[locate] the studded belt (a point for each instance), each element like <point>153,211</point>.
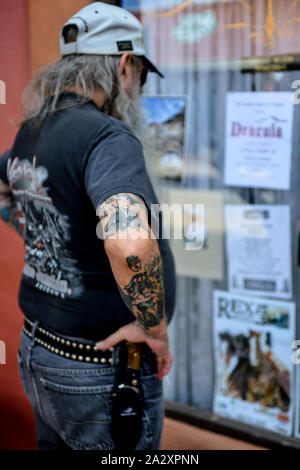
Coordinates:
<point>74,350</point>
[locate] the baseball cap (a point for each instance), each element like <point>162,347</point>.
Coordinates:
<point>106,30</point>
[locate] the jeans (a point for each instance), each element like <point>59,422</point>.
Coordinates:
<point>71,400</point>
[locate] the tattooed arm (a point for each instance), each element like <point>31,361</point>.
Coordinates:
<point>8,208</point>
<point>136,263</point>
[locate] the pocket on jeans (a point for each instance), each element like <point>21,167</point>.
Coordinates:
<point>78,405</point>
<point>154,407</point>
<point>146,440</point>
<point>146,435</point>
<point>80,414</point>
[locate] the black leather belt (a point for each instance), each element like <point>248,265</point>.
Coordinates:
<point>74,350</point>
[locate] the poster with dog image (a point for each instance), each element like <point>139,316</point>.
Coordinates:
<point>253,360</point>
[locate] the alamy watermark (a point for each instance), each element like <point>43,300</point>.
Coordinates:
<point>296,354</point>
<point>167,221</point>
<point>2,352</point>
<point>2,92</point>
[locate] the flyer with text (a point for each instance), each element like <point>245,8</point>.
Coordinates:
<point>258,248</point>
<point>253,360</point>
<point>258,137</point>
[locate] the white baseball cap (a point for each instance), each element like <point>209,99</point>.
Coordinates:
<point>106,30</point>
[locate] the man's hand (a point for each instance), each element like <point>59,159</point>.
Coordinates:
<point>133,332</point>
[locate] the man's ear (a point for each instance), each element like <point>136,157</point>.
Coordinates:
<point>126,70</point>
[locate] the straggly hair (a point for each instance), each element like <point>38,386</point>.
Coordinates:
<point>84,73</point>
<point>87,73</point>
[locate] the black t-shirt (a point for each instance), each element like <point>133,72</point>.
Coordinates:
<point>59,175</point>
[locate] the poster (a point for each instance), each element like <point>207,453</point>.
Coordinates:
<point>253,366</point>
<point>205,257</point>
<point>296,358</point>
<point>166,119</point>
<point>258,249</point>
<point>258,147</point>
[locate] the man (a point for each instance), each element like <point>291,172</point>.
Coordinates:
<point>77,164</point>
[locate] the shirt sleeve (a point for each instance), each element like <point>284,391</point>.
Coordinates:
<point>116,165</point>
<point>3,166</point>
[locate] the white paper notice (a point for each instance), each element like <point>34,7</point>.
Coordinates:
<point>258,246</point>
<point>259,139</point>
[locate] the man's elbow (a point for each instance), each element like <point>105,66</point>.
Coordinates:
<point>122,249</point>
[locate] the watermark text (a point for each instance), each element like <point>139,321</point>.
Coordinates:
<point>2,352</point>
<point>2,92</point>
<point>175,221</point>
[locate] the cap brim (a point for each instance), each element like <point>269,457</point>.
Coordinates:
<point>151,66</point>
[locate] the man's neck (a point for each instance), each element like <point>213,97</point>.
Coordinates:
<point>98,96</point>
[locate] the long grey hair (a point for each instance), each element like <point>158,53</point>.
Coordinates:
<point>87,74</point>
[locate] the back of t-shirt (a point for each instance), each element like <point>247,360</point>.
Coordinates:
<point>59,175</point>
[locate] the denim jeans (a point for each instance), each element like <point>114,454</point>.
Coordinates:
<point>71,400</point>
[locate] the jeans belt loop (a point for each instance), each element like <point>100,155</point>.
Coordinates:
<point>32,342</point>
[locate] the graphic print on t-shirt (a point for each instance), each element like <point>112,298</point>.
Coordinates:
<point>45,229</point>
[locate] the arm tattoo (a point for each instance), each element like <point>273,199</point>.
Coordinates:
<point>144,294</point>
<point>8,208</point>
<point>120,212</point>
